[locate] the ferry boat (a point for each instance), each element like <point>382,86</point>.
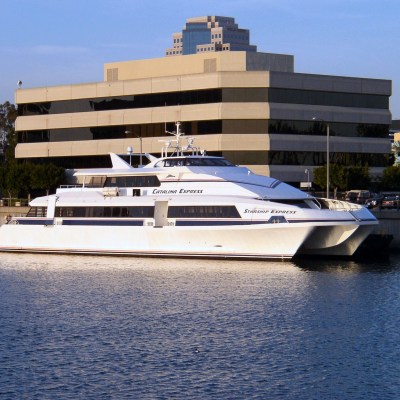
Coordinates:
<point>186,204</point>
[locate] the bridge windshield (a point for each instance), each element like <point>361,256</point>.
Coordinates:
<point>195,161</point>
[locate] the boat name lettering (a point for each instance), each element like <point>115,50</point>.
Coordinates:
<point>165,191</point>
<point>283,212</point>
<point>255,211</point>
<point>191,191</point>
<point>175,191</point>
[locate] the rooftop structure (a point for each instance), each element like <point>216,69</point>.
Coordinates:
<point>210,34</point>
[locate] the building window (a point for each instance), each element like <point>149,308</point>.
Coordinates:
<point>317,97</point>
<point>336,128</point>
<point>312,158</point>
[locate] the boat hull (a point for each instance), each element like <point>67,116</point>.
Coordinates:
<point>256,241</point>
<point>339,240</point>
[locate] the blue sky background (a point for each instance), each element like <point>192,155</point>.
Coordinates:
<point>54,42</point>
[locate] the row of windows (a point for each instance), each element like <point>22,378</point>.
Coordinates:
<point>174,52</point>
<point>106,212</point>
<point>132,181</point>
<point>273,95</point>
<point>319,128</point>
<point>143,212</point>
<point>206,127</point>
<point>201,49</point>
<point>235,36</point>
<point>118,132</point>
<point>318,97</point>
<point>194,26</point>
<point>122,102</point>
<point>37,212</point>
<point>78,162</point>
<point>243,158</point>
<point>203,212</point>
<point>319,158</point>
<point>218,47</point>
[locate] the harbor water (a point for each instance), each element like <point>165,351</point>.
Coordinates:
<point>82,327</point>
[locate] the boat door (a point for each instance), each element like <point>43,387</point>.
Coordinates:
<point>160,213</point>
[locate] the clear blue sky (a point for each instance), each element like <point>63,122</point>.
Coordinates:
<point>54,42</point>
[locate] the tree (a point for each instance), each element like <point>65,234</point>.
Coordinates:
<point>337,176</point>
<point>391,178</point>
<point>8,140</point>
<point>8,114</point>
<point>358,177</point>
<point>343,178</point>
<point>46,176</point>
<point>19,178</point>
<point>3,174</point>
<point>396,152</point>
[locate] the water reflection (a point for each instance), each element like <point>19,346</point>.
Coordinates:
<point>121,327</point>
<point>22,261</point>
<point>75,262</point>
<point>383,263</point>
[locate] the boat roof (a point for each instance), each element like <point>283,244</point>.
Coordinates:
<point>121,168</point>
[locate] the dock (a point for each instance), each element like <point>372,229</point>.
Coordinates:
<point>389,224</point>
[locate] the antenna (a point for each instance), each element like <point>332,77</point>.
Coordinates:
<point>178,148</point>
<point>177,135</point>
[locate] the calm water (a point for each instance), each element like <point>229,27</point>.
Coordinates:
<point>76,327</point>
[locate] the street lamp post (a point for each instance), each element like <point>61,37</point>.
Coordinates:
<point>307,171</point>
<point>327,153</point>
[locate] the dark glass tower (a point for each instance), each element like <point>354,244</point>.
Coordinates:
<point>210,34</point>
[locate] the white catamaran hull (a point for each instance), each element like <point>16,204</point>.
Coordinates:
<point>264,241</point>
<point>339,240</point>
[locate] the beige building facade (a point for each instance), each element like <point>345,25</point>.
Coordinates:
<point>250,107</point>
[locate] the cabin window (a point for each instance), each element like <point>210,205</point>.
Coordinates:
<point>37,212</point>
<point>105,212</point>
<point>195,161</point>
<point>96,182</point>
<point>295,202</point>
<point>203,212</point>
<point>132,181</point>
<point>278,219</point>
<point>174,163</point>
<point>65,212</point>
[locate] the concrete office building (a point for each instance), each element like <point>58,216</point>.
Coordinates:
<point>250,107</point>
